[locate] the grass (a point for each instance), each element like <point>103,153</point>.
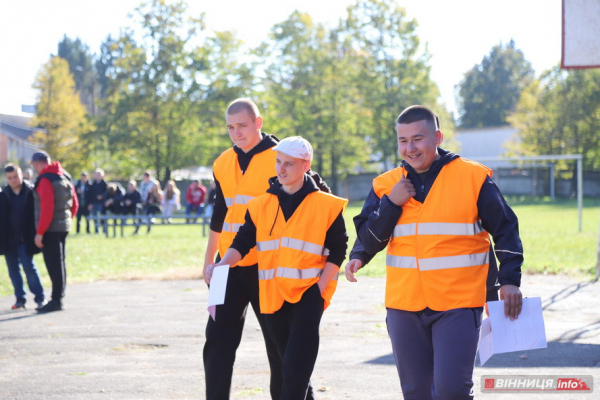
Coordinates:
<point>549,232</point>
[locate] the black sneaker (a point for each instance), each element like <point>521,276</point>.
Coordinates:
<point>51,306</point>
<point>19,304</point>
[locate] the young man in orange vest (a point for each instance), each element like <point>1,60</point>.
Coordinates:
<point>435,214</point>
<point>301,241</point>
<point>241,173</point>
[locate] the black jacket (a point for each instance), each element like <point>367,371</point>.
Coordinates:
<point>375,224</point>
<point>336,239</point>
<point>27,222</point>
<point>3,221</point>
<point>96,189</point>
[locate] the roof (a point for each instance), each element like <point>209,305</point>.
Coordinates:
<point>16,127</point>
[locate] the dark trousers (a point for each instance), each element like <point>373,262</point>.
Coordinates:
<point>82,211</point>
<point>54,256</point>
<point>435,354</point>
<point>295,330</point>
<point>224,334</point>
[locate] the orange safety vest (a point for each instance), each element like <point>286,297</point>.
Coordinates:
<point>439,253</point>
<point>238,189</point>
<point>292,254</point>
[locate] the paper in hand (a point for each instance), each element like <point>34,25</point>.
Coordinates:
<point>218,285</point>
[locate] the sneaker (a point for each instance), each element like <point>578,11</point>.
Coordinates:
<point>40,304</point>
<point>51,306</point>
<point>19,304</point>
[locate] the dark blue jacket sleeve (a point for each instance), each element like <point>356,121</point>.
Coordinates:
<point>374,226</point>
<point>501,222</point>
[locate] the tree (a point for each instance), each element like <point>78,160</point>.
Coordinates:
<point>490,90</point>
<point>393,74</point>
<point>60,115</point>
<point>165,90</point>
<point>81,67</point>
<point>560,114</point>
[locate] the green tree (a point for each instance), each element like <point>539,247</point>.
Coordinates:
<point>81,67</point>
<point>167,91</point>
<point>490,90</point>
<point>60,115</point>
<point>393,73</point>
<point>560,114</point>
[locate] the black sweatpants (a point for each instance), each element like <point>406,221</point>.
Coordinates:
<point>54,258</point>
<point>224,334</point>
<point>295,330</point>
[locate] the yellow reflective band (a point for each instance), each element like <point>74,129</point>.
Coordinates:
<point>267,245</point>
<point>467,260</point>
<point>400,261</point>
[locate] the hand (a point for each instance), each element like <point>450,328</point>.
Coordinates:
<point>207,272</point>
<point>402,191</point>
<point>513,301</point>
<point>90,207</point>
<point>127,202</point>
<point>487,312</point>
<point>322,286</point>
<point>38,240</point>
<point>99,197</point>
<point>351,268</point>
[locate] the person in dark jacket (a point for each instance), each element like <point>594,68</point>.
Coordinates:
<point>452,222</point>
<point>19,231</point>
<point>55,205</point>
<point>95,199</point>
<point>132,203</point>
<point>82,187</point>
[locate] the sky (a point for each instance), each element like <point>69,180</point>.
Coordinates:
<point>458,34</point>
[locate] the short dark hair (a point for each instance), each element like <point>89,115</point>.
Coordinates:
<point>243,104</point>
<point>419,113</point>
<point>11,168</point>
<point>147,173</point>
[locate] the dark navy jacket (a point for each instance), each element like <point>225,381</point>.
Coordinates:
<point>377,220</point>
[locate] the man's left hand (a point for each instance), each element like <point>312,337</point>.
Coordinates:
<point>513,301</point>
<point>38,240</point>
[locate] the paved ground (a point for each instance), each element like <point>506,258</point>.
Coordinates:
<point>143,340</point>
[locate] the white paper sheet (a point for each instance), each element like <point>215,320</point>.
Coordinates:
<point>218,285</point>
<point>501,335</point>
<point>486,342</point>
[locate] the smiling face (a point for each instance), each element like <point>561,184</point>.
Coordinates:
<point>417,144</point>
<point>290,171</point>
<point>243,130</point>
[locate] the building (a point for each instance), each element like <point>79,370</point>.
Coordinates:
<point>14,139</point>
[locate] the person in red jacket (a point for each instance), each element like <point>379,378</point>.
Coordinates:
<point>55,205</point>
<point>195,198</point>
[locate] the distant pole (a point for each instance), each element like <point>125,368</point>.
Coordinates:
<point>552,189</point>
<point>580,190</point>
<point>598,258</point>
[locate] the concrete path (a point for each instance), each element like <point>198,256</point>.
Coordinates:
<point>143,340</point>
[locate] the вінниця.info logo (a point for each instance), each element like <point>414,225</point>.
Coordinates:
<point>537,383</point>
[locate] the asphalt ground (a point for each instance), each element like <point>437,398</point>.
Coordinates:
<point>144,339</point>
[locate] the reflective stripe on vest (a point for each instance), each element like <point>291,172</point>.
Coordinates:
<point>467,260</point>
<point>228,201</point>
<point>242,199</point>
<point>292,273</point>
<point>438,228</point>
<point>400,261</point>
<point>295,244</point>
<point>227,227</point>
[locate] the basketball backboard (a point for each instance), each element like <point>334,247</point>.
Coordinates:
<point>580,34</point>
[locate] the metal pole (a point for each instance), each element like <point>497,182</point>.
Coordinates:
<point>598,258</point>
<point>580,190</point>
<point>552,189</point>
